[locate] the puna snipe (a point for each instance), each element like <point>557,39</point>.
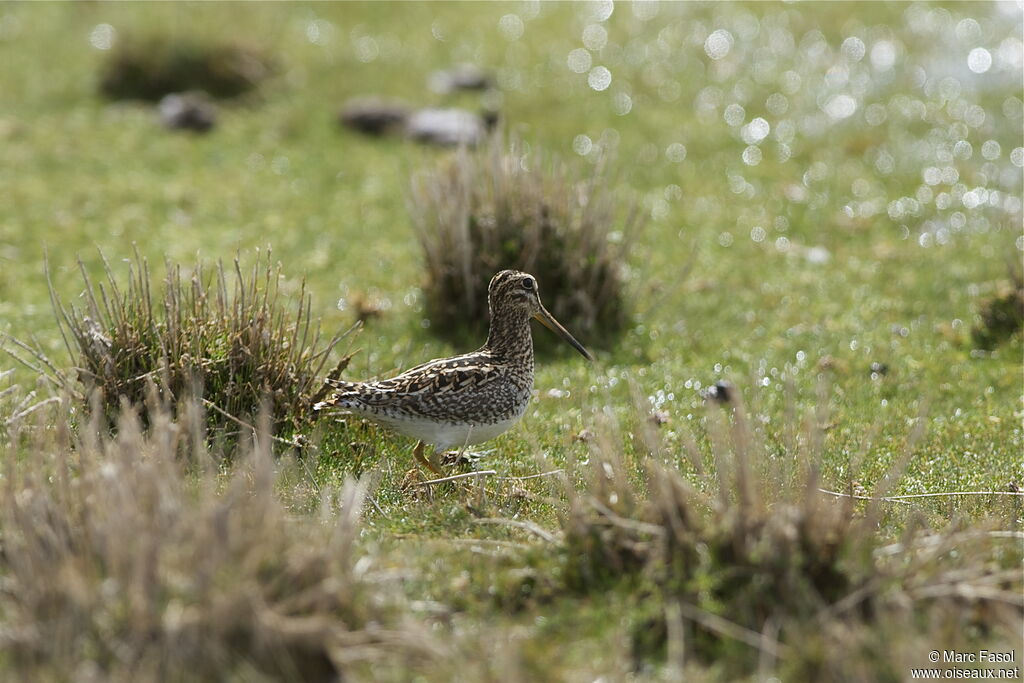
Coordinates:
<point>463,400</point>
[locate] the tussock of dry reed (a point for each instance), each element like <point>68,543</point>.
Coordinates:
<point>227,337</point>
<point>121,561</point>
<point>758,572</point>
<point>149,67</point>
<point>481,211</point>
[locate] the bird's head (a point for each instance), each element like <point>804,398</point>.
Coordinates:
<point>514,290</point>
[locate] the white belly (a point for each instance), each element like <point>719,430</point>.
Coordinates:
<point>445,435</point>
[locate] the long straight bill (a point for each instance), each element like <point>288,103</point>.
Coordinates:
<point>549,322</point>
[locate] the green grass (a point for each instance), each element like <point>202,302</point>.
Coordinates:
<point>723,282</point>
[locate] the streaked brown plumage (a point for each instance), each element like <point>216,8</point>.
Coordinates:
<point>467,399</point>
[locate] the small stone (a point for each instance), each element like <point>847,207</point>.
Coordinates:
<point>658,417</point>
<point>584,436</point>
<point>719,392</point>
<point>449,127</point>
<point>829,363</point>
<point>365,306</point>
<point>817,255</point>
<point>519,492</point>
<point>187,111</point>
<point>460,77</point>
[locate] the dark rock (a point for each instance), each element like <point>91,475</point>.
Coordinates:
<point>373,115</point>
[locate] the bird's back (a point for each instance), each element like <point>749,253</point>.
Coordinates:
<point>472,388</point>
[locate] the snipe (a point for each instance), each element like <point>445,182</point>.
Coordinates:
<point>468,399</point>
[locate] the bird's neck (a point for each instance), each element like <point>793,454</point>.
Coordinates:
<point>509,335</point>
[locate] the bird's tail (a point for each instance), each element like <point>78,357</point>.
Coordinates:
<point>336,398</point>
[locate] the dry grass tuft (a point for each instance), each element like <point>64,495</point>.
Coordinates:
<point>482,211</point>
<point>117,563</point>
<point>149,68</point>
<point>759,572</point>
<point>226,337</point>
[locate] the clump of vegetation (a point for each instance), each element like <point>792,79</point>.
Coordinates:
<point>1001,315</point>
<point>482,211</point>
<point>224,336</point>
<point>123,563</point>
<point>763,571</point>
<point>157,66</point>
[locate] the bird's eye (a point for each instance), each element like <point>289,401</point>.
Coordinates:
<point>529,284</point>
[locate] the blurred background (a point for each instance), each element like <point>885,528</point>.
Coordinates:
<point>810,177</point>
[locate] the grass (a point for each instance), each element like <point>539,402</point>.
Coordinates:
<point>869,240</point>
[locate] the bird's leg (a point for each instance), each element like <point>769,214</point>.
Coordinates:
<point>430,463</point>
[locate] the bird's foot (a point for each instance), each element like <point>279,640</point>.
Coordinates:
<point>464,458</point>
